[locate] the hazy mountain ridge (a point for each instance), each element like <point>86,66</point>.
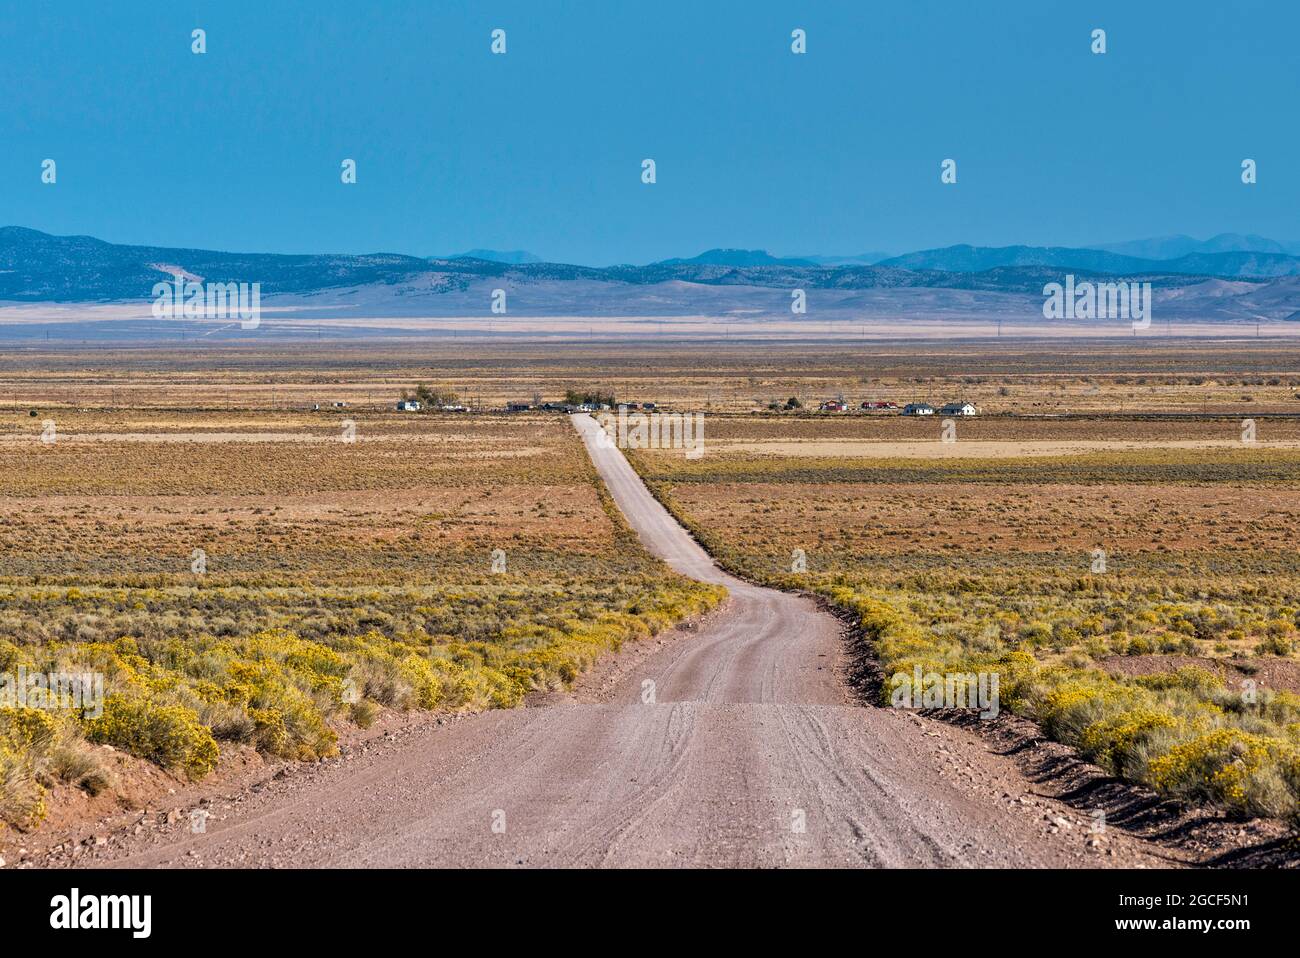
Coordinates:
<point>737,257</point>
<point>860,259</point>
<point>511,256</point>
<point>974,259</point>
<point>1173,247</point>
<point>38,268</point>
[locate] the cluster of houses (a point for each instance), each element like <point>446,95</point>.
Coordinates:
<point>830,405</point>
<point>911,409</point>
<point>414,405</point>
<point>949,409</point>
<point>577,407</point>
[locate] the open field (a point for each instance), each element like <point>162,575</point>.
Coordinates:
<point>563,314</point>
<point>250,581</point>
<point>735,740</point>
<point>1231,378</point>
<point>1137,589</point>
<point>358,558</point>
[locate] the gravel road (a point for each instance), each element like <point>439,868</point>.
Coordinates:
<point>751,751</point>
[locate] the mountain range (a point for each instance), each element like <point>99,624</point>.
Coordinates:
<point>1228,278</point>
<point>1181,254</point>
<point>512,256</point>
<point>1221,263</point>
<point>1172,247</point>
<point>971,259</point>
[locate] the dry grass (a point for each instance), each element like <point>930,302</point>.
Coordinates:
<point>962,566</point>
<point>1232,377</point>
<point>338,577</point>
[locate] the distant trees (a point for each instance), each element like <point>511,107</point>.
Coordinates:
<point>431,398</point>
<point>578,397</point>
<point>792,403</point>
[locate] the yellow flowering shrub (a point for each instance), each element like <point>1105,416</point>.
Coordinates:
<point>323,656</point>
<point>1245,772</point>
<point>1171,731</point>
<point>170,735</point>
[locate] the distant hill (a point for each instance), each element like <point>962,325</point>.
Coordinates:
<point>861,259</point>
<point>976,259</point>
<point>512,256</point>
<point>36,266</point>
<point>735,257</point>
<point>1173,247</point>
<point>961,282</point>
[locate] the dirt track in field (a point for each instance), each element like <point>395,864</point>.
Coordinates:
<point>737,743</point>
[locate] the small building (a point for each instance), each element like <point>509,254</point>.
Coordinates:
<point>918,409</point>
<point>340,405</point>
<point>408,405</point>
<point>833,405</point>
<point>958,409</point>
<point>518,407</point>
<point>454,407</point>
<point>869,405</point>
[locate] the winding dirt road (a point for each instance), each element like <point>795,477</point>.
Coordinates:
<point>752,753</point>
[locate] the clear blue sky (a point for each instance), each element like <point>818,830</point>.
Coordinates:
<point>835,151</point>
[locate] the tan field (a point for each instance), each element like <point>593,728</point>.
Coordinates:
<point>1107,534</point>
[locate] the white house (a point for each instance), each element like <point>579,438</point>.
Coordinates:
<point>917,409</point>
<point>959,409</point>
<point>408,405</point>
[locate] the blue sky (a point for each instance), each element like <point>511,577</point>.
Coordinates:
<point>837,151</point>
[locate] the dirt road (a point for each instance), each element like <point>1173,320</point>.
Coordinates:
<point>738,745</point>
